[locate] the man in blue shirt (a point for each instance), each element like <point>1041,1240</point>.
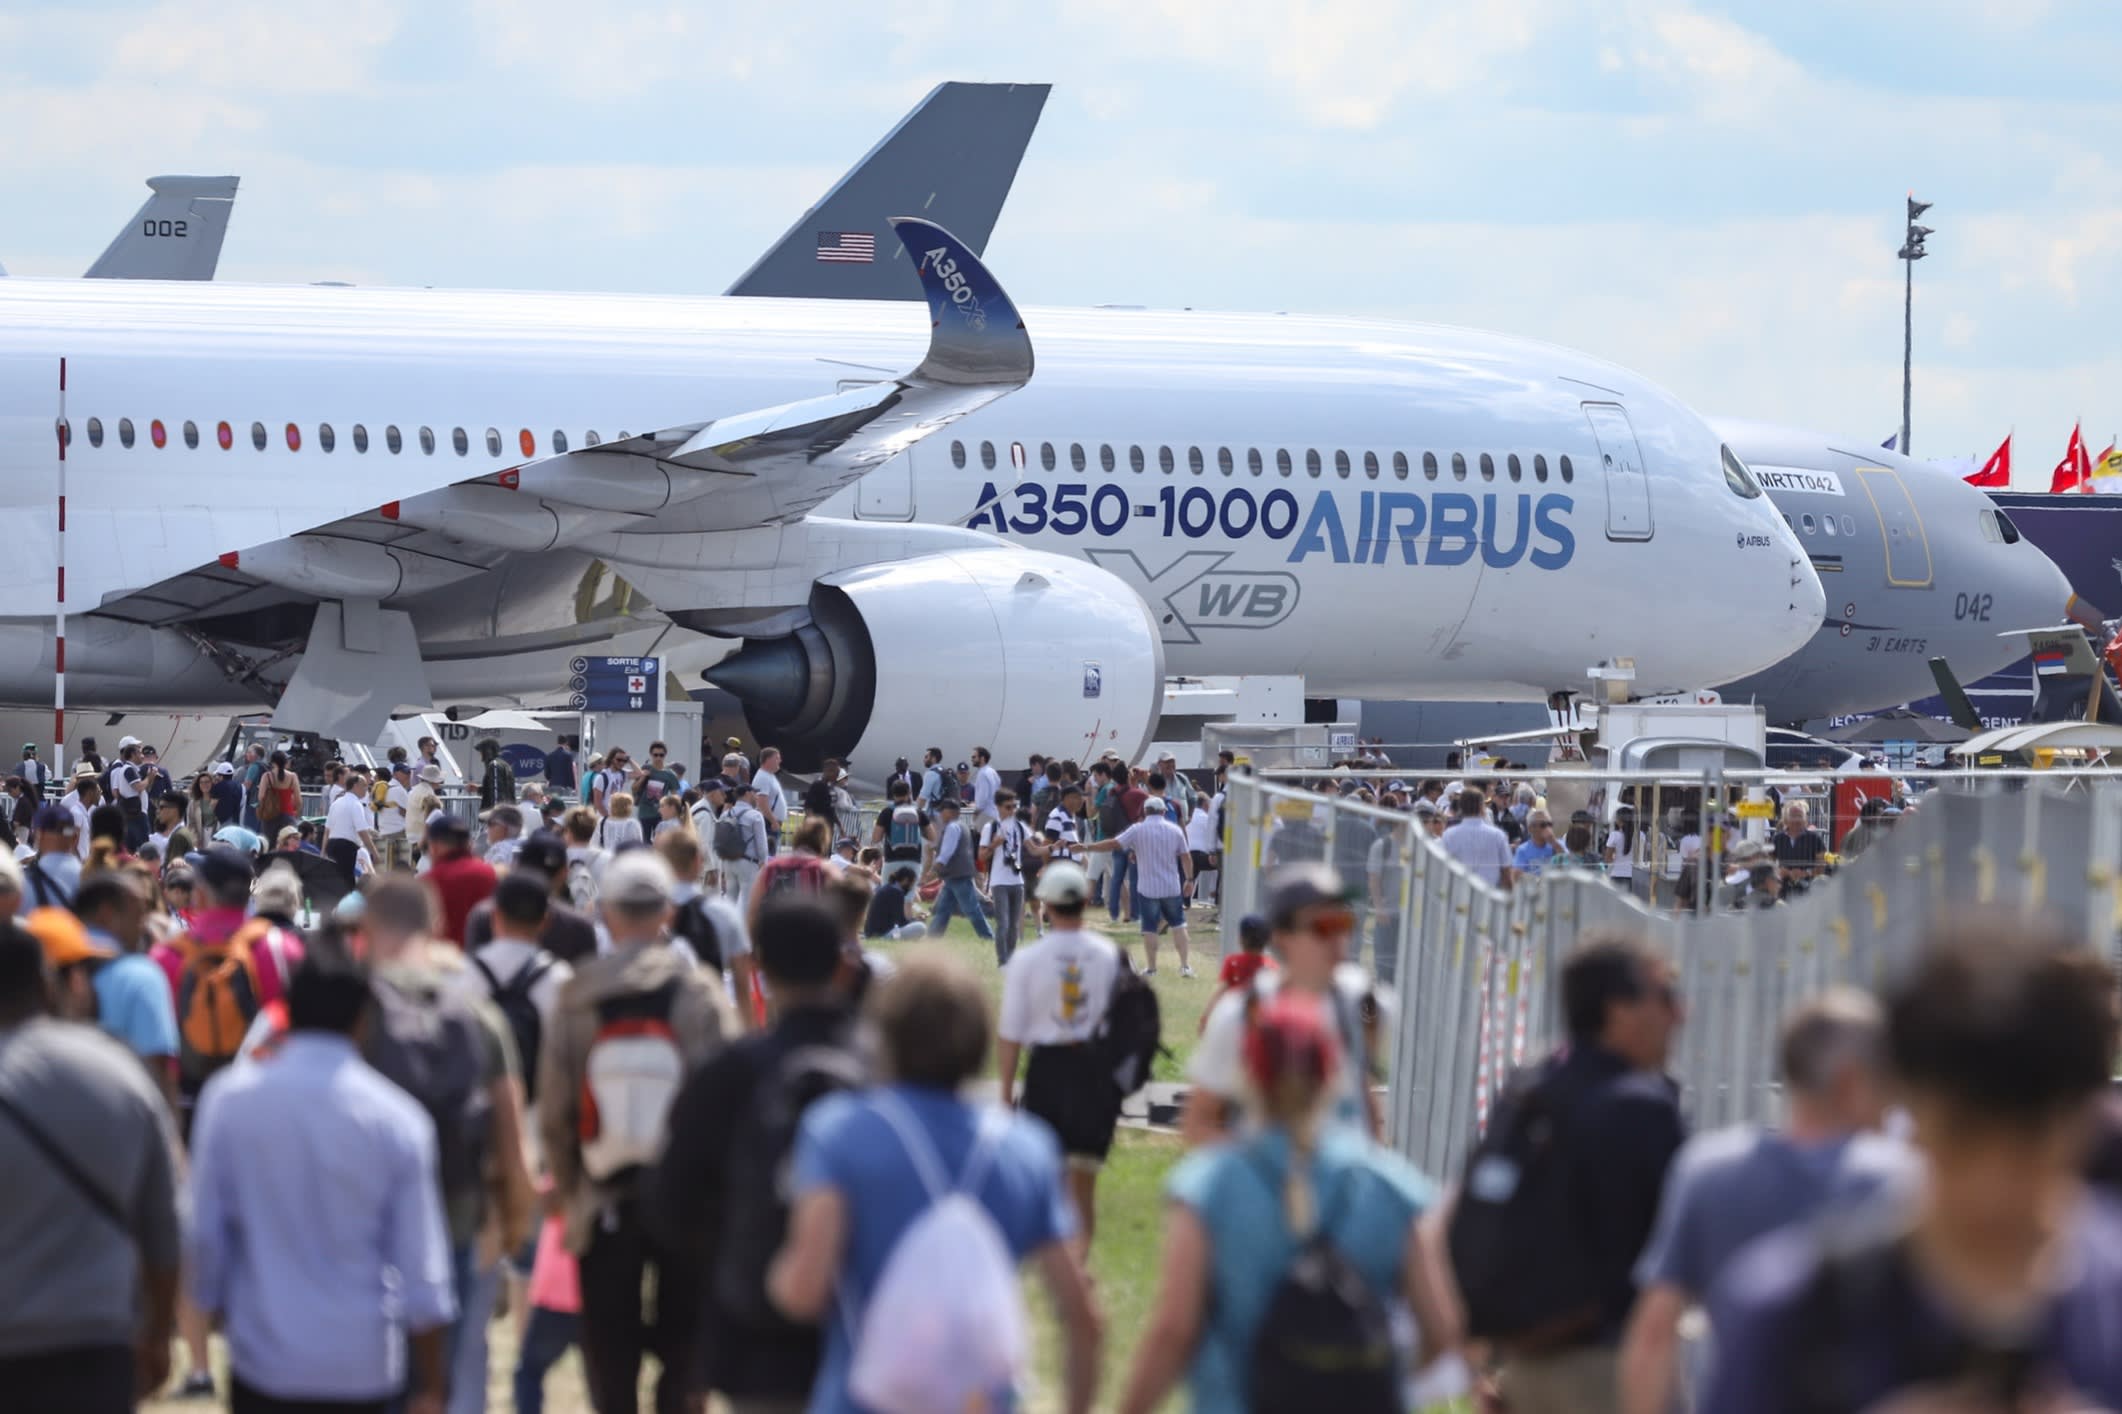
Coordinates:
<point>858,1177</point>
<point>133,1001</point>
<point>560,767</point>
<point>317,1231</point>
<point>1539,845</point>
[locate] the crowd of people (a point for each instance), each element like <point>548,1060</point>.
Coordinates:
<point>626,1060</point>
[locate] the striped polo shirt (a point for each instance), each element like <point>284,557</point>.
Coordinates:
<point>1159,846</point>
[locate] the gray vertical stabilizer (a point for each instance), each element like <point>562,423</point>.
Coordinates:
<point>176,235</point>
<point>950,161</point>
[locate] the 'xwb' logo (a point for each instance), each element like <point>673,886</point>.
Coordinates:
<point>1191,594</point>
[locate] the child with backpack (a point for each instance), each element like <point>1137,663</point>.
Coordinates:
<point>912,1211</point>
<point>1286,1249</point>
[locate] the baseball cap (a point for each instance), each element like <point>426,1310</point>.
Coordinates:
<point>444,822</point>
<point>65,941</point>
<point>506,814</point>
<point>1153,806</point>
<point>544,851</point>
<point>404,766</point>
<point>846,842</point>
<point>1425,810</point>
<point>1302,886</point>
<point>222,867</point>
<point>637,878</point>
<point>224,768</point>
<point>124,742</point>
<point>1064,883</point>
<point>1746,851</point>
<point>56,818</point>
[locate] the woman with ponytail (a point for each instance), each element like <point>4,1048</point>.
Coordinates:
<point>1290,1186</point>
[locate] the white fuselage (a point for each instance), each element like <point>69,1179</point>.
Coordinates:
<point>1483,582</point>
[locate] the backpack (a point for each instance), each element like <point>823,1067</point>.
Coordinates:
<point>429,1045</point>
<point>696,924</point>
<point>1112,814</point>
<point>1326,1339</point>
<point>379,793</point>
<point>793,873</point>
<point>513,1001</point>
<point>1517,1245</point>
<point>732,840</point>
<point>217,1000</point>
<point>902,834</point>
<point>1044,799</point>
<point>755,1191</point>
<point>944,1327</point>
<point>629,1078</point>
<point>1131,1036</point>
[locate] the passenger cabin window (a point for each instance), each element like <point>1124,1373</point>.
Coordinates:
<point>1164,460</point>
<point>258,436</point>
<point>225,436</point>
<point>191,434</point>
<point>591,439</point>
<point>1076,460</point>
<point>559,440</point>
<point>1400,465</point>
<point>957,455</point>
<point>158,434</point>
<point>1829,528</point>
<point>1808,522</point>
<point>1488,467</point>
<point>1738,476</point>
<point>1312,465</point>
<point>1458,466</point>
<point>1046,456</point>
<point>493,441</point>
<point>1253,463</point>
<point>325,439</point>
<point>1539,467</point>
<point>294,438</point>
<point>1569,473</point>
<point>1224,462</point>
<point>427,440</point>
<point>526,442</point>
<point>360,437</point>
<point>987,455</point>
<point>1429,466</point>
<point>1105,456</point>
<point>1516,468</point>
<point>95,432</point>
<point>1282,460</point>
<point>1135,459</point>
<point>1849,526</point>
<point>125,432</point>
<point>1341,465</point>
<point>1370,465</point>
<point>460,441</point>
<point>392,440</point>
<point>1194,462</point>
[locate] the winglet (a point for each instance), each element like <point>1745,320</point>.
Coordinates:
<point>977,336</point>
<point>175,235</point>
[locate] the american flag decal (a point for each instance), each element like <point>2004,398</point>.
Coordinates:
<point>847,247</point>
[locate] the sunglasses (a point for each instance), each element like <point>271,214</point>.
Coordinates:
<point>1333,923</point>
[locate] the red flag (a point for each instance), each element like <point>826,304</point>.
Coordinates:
<point>1996,472</point>
<point>2075,471</point>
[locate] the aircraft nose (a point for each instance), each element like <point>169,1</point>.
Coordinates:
<point>1806,600</point>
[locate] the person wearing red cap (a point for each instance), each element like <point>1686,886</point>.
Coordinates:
<point>1296,1187</point>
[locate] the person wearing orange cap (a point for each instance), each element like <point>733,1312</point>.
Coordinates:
<point>73,958</point>
<point>1296,1200</point>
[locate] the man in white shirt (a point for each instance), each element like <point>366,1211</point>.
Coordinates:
<point>1478,843</point>
<point>1163,869</point>
<point>987,782</point>
<point>33,771</point>
<point>1064,824</point>
<point>349,828</point>
<point>504,836</point>
<point>1054,995</point>
<point>768,796</point>
<point>392,819</point>
<point>512,963</point>
<point>86,795</point>
<point>1204,840</point>
<point>739,873</point>
<point>127,793</point>
<point>1004,843</point>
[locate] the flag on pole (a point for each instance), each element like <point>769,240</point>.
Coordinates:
<point>1995,474</point>
<point>2075,471</point>
<point>2107,471</point>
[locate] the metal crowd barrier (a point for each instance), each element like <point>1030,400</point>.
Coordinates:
<point>463,807</point>
<point>1475,968</point>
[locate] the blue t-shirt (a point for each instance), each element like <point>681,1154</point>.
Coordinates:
<point>133,1004</point>
<point>846,1145</point>
<point>228,800</point>
<point>1369,1197</point>
<point>1532,858</point>
<point>1763,1346</point>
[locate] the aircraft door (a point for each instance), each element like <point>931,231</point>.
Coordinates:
<point>885,492</point>
<point>1907,544</point>
<point>1621,462</point>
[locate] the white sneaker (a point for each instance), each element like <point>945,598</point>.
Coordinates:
<point>1149,972</point>
<point>1186,972</point>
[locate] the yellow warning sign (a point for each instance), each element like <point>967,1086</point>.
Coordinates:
<point>1755,810</point>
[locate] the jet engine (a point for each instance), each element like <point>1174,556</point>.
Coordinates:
<point>1015,650</point>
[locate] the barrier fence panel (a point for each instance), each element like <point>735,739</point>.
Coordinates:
<point>1470,974</point>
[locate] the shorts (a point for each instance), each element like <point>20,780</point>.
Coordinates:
<point>1066,1087</point>
<point>1203,861</point>
<point>1156,912</point>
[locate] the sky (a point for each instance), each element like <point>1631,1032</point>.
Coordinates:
<point>1711,195</point>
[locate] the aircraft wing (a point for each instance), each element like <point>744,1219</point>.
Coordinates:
<point>645,499</point>
<point>952,159</point>
<point>175,235</point>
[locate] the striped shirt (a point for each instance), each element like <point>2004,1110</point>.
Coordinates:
<point>1159,847</point>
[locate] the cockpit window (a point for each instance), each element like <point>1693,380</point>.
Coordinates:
<point>2011,532</point>
<point>1738,477</point>
<point>1992,530</point>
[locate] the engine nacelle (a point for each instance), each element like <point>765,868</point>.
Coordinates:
<point>1015,650</point>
